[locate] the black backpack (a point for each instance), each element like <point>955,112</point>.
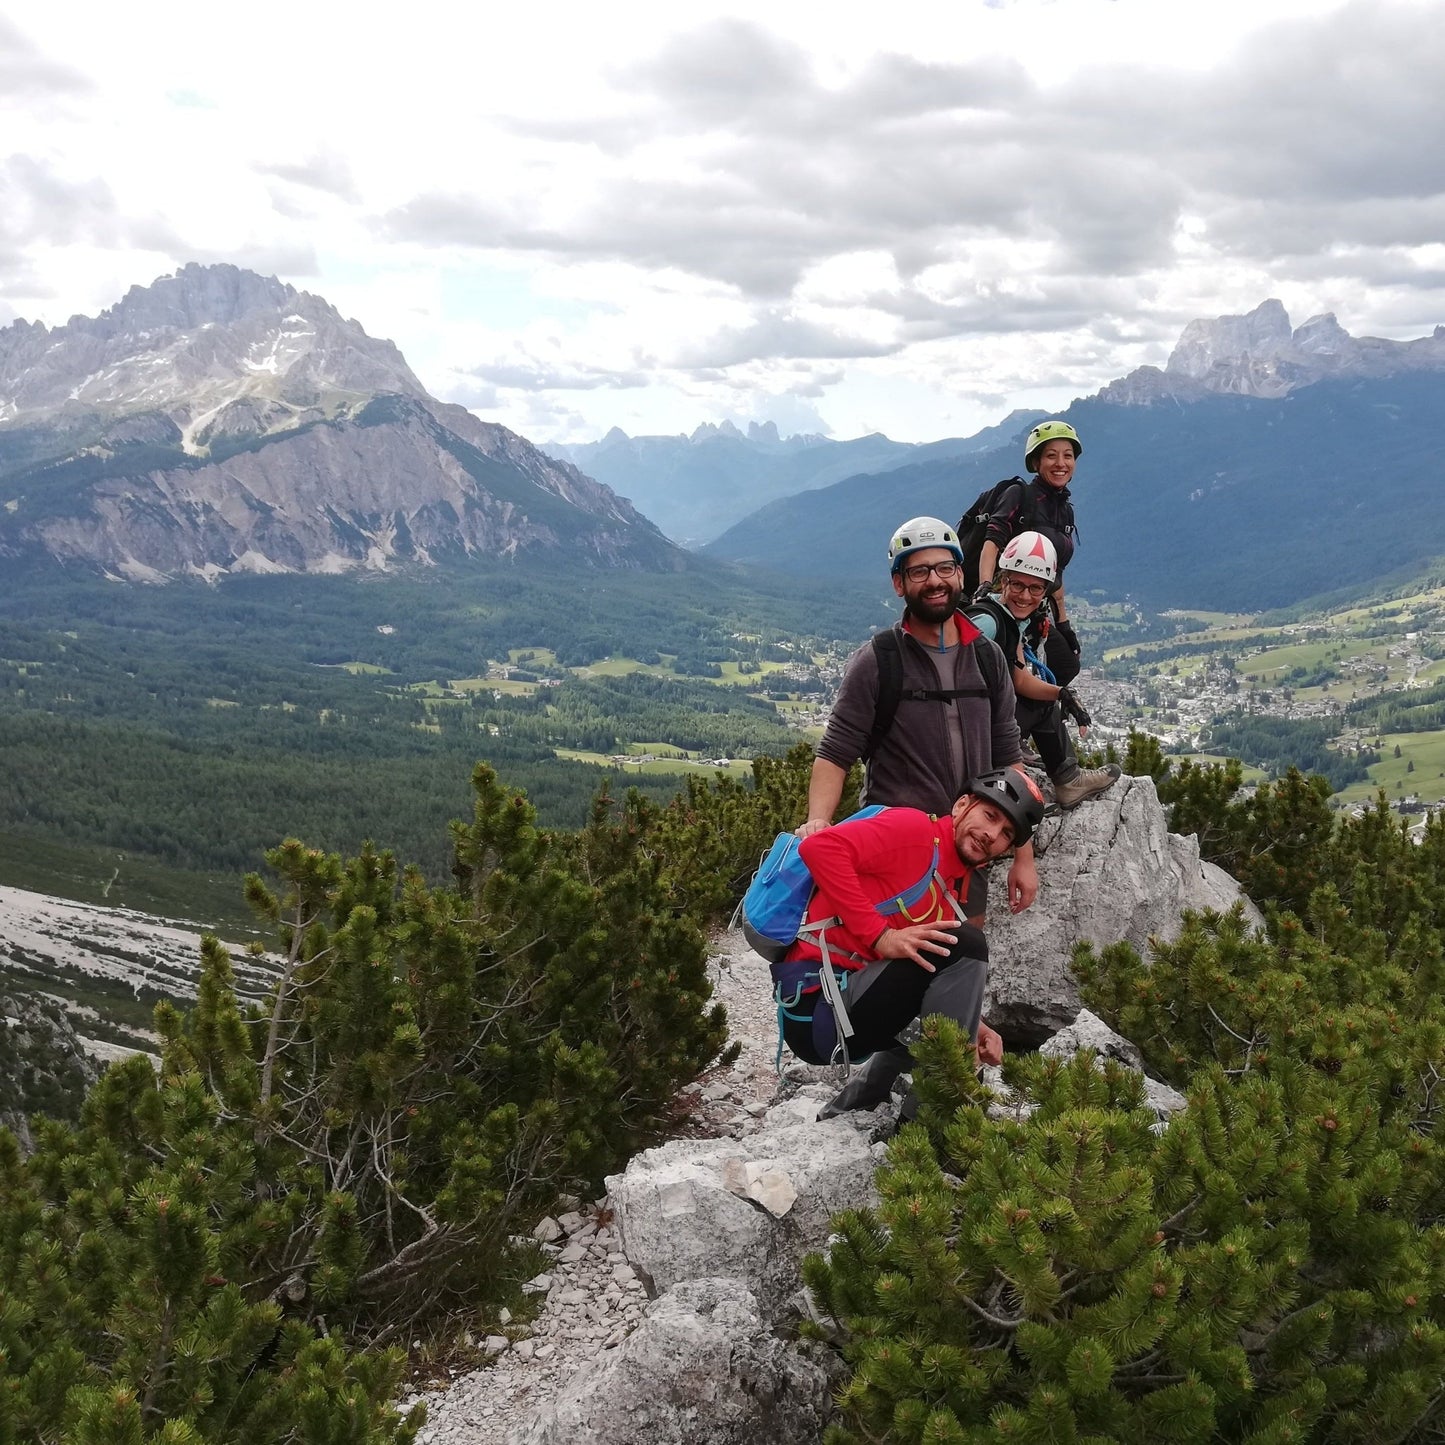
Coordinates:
<point>891,691</point>
<point>973,525</point>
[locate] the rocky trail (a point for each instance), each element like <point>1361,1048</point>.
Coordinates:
<point>594,1297</point>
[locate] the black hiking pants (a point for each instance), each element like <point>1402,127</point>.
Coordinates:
<point>1060,659</point>
<point>883,998</point>
<point>1044,723</point>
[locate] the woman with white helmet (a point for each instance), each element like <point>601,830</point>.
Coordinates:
<point>1043,505</point>
<point>1017,619</point>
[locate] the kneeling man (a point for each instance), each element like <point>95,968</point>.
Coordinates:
<point>895,957</point>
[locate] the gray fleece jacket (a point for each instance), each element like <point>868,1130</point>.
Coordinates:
<point>933,748</point>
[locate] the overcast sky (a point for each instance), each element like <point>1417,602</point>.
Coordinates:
<point>900,217</point>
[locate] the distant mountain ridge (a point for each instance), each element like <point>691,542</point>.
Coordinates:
<point>219,421</point>
<point>696,486</point>
<point>1194,491</point>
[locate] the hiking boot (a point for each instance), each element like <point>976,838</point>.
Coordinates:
<point>1031,759</point>
<point>1084,784</point>
<point>871,1084</point>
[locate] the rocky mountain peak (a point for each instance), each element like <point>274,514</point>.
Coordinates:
<point>195,296</point>
<point>219,421</point>
<point>216,350</point>
<point>1226,340</point>
<point>1259,354</point>
<point>1322,334</point>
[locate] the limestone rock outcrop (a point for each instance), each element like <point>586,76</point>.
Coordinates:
<point>704,1368</point>
<point>684,1210</point>
<point>1109,871</point>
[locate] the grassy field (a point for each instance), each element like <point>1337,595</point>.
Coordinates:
<point>669,766</point>
<point>1426,751</point>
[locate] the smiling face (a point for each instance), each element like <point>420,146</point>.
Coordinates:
<point>981,830</point>
<point>1020,593</point>
<point>930,597</point>
<point>1054,462</point>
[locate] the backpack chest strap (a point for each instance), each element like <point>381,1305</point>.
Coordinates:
<point>941,694</point>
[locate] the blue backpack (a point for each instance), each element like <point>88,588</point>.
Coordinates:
<point>776,903</point>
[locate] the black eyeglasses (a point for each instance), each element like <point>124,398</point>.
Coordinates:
<point>947,571</point>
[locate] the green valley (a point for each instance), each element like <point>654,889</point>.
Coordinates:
<point>158,739</point>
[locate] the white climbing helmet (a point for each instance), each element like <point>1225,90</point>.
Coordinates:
<point>1032,554</point>
<point>920,532</point>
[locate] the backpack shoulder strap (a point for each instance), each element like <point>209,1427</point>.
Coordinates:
<point>1028,512</point>
<point>891,691</point>
<point>988,664</point>
<point>890,687</point>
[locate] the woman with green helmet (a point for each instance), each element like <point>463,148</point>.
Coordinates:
<point>1042,505</point>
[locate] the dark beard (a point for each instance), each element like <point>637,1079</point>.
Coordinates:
<point>936,613</point>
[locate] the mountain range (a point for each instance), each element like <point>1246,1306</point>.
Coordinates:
<point>219,421</point>
<point>697,486</point>
<point>1262,466</point>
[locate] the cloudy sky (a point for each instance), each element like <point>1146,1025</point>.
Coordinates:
<point>906,217</point>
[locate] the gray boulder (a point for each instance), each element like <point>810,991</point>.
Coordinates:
<point>747,1208</point>
<point>1089,1031</point>
<point>701,1369</point>
<point>1110,870</point>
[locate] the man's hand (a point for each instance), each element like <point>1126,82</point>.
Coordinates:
<point>813,825</point>
<point>1023,882</point>
<point>988,1045</point>
<point>913,942</point>
<point>1066,631</point>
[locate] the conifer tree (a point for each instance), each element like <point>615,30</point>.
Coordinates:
<point>1253,1273</point>
<point>198,1258</point>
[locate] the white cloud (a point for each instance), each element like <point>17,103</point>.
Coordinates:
<point>913,216</point>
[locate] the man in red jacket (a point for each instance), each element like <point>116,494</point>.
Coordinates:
<point>887,962</point>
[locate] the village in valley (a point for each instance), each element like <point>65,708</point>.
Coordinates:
<point>1342,677</point>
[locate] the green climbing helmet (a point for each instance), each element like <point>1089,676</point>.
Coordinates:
<point>1050,431</point>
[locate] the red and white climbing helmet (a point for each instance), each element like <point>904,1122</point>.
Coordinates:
<point>1032,554</point>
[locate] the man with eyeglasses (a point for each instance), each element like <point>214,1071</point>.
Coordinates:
<point>1016,620</point>
<point>928,706</point>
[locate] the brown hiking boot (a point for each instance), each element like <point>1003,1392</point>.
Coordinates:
<point>1084,784</point>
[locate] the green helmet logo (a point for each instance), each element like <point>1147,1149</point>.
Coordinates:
<point>1049,431</point>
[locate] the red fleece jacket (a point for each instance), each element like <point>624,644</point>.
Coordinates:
<point>866,861</point>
